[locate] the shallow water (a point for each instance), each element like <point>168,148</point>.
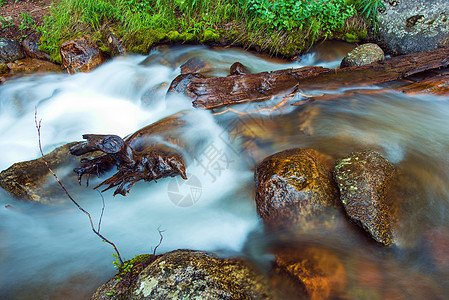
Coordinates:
<point>50,252</point>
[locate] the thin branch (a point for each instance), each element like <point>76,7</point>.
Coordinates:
<point>160,241</point>
<point>102,211</point>
<point>97,232</point>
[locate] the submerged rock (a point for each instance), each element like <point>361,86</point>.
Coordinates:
<point>294,188</point>
<point>31,180</point>
<point>365,180</point>
<point>179,84</point>
<point>80,55</point>
<point>318,270</point>
<point>10,50</point>
<point>362,55</point>
<point>187,274</point>
<point>409,26</point>
<point>195,65</point>
<point>238,69</point>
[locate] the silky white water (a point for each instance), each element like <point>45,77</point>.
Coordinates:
<point>49,251</point>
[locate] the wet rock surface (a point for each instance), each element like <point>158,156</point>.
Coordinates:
<point>187,274</point>
<point>195,65</point>
<point>31,180</point>
<point>238,69</point>
<point>318,270</point>
<point>362,55</point>
<point>294,188</point>
<point>31,47</point>
<point>180,83</point>
<point>409,26</point>
<point>365,180</point>
<point>10,50</point>
<point>80,55</point>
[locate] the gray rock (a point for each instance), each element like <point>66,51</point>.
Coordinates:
<point>10,50</point>
<point>409,26</point>
<point>362,55</point>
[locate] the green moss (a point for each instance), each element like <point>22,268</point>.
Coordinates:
<point>173,36</point>
<point>3,68</point>
<point>187,37</point>
<point>210,35</point>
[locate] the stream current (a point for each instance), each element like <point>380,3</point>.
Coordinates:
<point>50,252</point>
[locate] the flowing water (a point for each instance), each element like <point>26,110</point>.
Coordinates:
<point>50,252</point>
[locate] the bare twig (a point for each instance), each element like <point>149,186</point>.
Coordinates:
<point>102,211</point>
<point>160,241</point>
<point>97,232</point>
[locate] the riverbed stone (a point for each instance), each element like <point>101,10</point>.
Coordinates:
<point>10,50</point>
<point>188,274</point>
<point>362,55</point>
<point>179,85</point>
<point>80,55</point>
<point>195,65</point>
<point>294,188</point>
<point>318,270</point>
<point>365,180</point>
<point>31,180</point>
<point>409,26</point>
<point>238,68</point>
<point>31,46</point>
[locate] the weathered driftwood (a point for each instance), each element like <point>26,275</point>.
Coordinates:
<point>218,92</point>
<point>143,155</point>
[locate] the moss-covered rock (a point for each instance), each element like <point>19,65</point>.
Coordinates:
<point>365,180</point>
<point>187,274</point>
<point>362,55</point>
<point>210,35</point>
<point>294,188</point>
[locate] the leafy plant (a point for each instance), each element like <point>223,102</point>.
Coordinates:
<point>27,21</point>
<point>369,8</point>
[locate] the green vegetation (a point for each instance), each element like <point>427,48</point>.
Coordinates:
<point>284,27</point>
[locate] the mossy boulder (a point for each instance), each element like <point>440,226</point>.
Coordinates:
<point>365,180</point>
<point>187,274</point>
<point>294,188</point>
<point>362,55</point>
<point>31,180</point>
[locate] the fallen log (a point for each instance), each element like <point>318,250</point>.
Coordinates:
<point>218,92</point>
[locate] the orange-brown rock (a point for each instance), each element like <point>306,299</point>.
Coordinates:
<point>294,188</point>
<point>31,180</point>
<point>238,68</point>
<point>195,65</point>
<point>80,55</point>
<point>319,270</point>
<point>365,181</point>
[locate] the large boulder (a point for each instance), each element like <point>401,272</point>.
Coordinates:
<point>409,26</point>
<point>187,274</point>
<point>10,50</point>
<point>362,55</point>
<point>365,180</point>
<point>80,55</point>
<point>31,180</point>
<point>294,188</point>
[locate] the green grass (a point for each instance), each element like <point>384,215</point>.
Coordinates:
<point>282,27</point>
